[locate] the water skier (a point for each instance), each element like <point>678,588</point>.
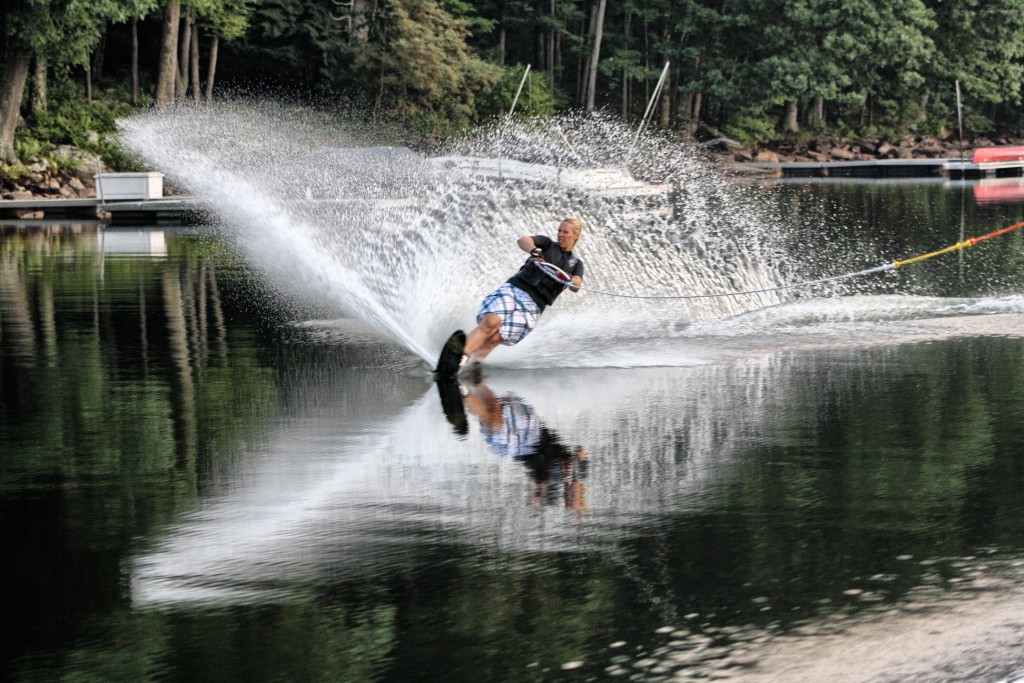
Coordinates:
<point>508,313</point>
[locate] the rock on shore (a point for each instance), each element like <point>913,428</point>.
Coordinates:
<point>67,173</point>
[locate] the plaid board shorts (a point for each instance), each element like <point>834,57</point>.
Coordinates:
<point>520,430</point>
<point>518,312</point>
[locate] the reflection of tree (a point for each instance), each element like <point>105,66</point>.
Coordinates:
<point>109,401</point>
<point>16,326</point>
<point>337,644</point>
<point>129,387</point>
<point>183,394</point>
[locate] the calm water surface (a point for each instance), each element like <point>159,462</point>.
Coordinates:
<point>199,481</point>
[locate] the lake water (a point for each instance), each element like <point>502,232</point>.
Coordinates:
<point>204,479</point>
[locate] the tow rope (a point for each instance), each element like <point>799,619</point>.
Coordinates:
<point>565,279</point>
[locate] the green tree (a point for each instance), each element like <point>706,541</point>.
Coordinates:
<point>981,44</point>
<point>788,61</point>
<point>419,63</point>
<point>58,33</point>
<point>223,19</point>
<point>17,57</point>
<point>883,47</point>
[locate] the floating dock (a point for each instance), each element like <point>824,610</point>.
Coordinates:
<point>986,162</point>
<point>165,210</point>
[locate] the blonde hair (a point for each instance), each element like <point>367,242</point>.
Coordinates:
<point>576,224</point>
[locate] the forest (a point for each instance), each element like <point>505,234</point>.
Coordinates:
<point>755,70</point>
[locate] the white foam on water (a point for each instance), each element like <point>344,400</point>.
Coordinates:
<point>412,246</point>
<point>409,244</point>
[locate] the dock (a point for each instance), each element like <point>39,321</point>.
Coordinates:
<point>895,168</point>
<point>144,205</point>
<point>161,211</point>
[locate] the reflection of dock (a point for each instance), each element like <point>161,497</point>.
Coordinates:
<point>173,210</point>
<point>984,190</point>
<point>894,168</point>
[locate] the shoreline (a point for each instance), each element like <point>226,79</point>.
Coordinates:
<point>45,181</point>
<point>834,149</point>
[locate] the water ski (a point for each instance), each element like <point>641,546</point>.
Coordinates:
<point>451,355</point>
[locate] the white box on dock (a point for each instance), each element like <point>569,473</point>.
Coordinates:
<point>112,186</point>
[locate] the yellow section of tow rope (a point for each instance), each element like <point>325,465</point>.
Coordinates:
<point>923,257</point>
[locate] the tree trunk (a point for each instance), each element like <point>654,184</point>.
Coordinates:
<point>194,62</point>
<point>551,48</point>
<point>88,83</point>
<point>539,39</point>
<point>13,78</point>
<point>558,57</point>
<point>692,108</point>
<point>816,117</point>
<point>625,73</point>
<point>136,95</point>
<point>380,96</point>
<point>595,55</point>
<point>583,70</point>
<point>184,50</point>
<point>625,96</point>
<point>168,74</point>
<point>211,68</point>
<point>96,63</point>
<point>666,106</point>
<point>39,99</point>
<point>792,124</point>
<point>501,45</point>
<point>924,106</point>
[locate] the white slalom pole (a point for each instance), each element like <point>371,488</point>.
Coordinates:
<point>520,90</point>
<point>960,120</point>
<point>650,106</point>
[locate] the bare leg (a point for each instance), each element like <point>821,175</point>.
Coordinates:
<point>484,338</point>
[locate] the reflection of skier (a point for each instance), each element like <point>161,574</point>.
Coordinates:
<point>512,429</point>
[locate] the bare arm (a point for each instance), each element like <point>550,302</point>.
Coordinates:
<point>526,243</point>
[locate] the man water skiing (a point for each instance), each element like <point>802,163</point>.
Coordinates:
<point>508,313</point>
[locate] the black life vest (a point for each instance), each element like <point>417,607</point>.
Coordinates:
<point>541,287</point>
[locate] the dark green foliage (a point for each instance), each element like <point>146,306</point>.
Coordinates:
<point>536,98</point>
<point>70,121</point>
<point>761,68</point>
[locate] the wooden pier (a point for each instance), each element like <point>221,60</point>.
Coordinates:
<point>165,210</point>
<point>986,163</point>
<point>896,168</point>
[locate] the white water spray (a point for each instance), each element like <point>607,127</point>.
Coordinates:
<point>410,244</point>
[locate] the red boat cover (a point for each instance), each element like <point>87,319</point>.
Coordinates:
<point>990,155</point>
